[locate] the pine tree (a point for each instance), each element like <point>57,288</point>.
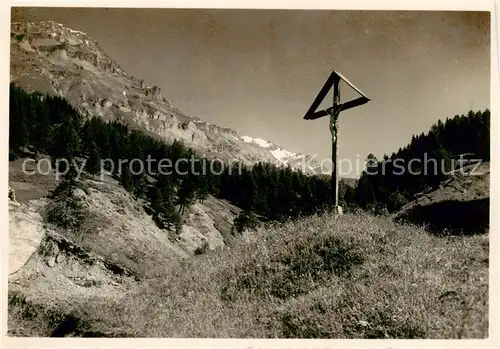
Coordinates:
<point>285,192</point>
<point>186,193</point>
<point>140,184</point>
<point>65,146</point>
<point>202,188</point>
<point>261,184</point>
<point>93,164</point>
<point>245,220</point>
<point>126,178</point>
<point>172,218</point>
<point>272,191</point>
<point>65,142</point>
<point>18,127</point>
<point>365,193</point>
<point>155,197</point>
<point>42,126</point>
<point>246,192</point>
<point>162,203</point>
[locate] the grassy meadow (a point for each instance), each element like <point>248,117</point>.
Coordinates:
<point>353,276</point>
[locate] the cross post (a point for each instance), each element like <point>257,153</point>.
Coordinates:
<point>334,112</point>
<point>334,128</point>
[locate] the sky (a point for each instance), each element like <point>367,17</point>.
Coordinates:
<point>258,71</point>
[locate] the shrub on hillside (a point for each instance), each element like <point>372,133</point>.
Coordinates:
<point>66,209</point>
<point>202,249</point>
<point>18,37</point>
<point>246,220</point>
<point>13,155</point>
<point>168,220</point>
<point>65,212</point>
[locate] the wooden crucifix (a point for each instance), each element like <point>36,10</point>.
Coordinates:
<point>334,112</point>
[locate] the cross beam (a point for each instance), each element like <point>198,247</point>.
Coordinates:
<point>334,112</point>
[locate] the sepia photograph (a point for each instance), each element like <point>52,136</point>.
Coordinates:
<point>249,173</point>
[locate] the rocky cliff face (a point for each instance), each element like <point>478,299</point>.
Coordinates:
<point>50,58</point>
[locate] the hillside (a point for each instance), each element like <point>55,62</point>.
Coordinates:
<point>353,276</point>
<point>460,205</point>
<point>108,233</point>
<point>117,246</point>
<point>426,162</point>
<point>49,58</point>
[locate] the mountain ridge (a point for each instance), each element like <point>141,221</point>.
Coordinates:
<point>50,58</point>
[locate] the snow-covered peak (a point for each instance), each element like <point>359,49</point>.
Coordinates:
<point>282,154</point>
<point>260,142</point>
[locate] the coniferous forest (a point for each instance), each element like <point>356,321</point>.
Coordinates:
<point>50,125</point>
<point>392,181</point>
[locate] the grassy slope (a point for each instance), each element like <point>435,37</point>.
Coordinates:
<point>356,276</point>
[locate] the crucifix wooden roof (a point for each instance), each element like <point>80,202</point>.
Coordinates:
<point>334,78</point>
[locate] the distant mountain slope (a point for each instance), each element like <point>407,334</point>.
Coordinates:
<point>50,58</point>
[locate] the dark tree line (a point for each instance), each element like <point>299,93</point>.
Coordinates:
<point>389,183</point>
<point>50,125</point>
